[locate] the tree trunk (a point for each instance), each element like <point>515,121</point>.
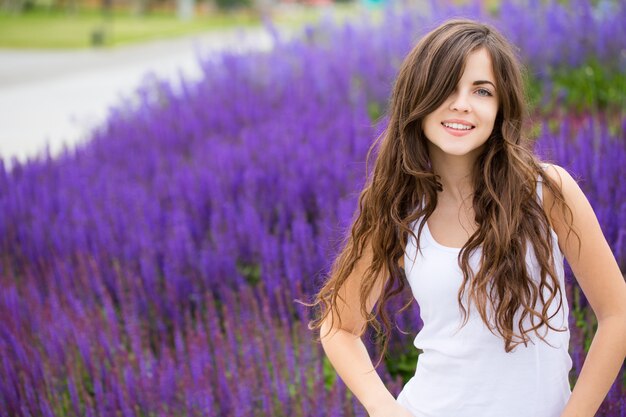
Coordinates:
<point>185,9</point>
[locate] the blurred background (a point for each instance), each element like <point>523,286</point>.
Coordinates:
<point>94,53</point>
<point>174,176</point>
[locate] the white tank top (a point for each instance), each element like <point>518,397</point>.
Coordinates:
<point>466,372</point>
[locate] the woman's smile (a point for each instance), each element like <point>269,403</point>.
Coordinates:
<point>457,127</point>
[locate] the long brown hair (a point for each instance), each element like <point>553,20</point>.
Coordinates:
<point>504,179</point>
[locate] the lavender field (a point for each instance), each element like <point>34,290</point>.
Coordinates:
<point>153,271</point>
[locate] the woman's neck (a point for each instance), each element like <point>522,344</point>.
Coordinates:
<point>456,180</point>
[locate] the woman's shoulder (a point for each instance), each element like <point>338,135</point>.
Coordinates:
<point>560,176</point>
<point>569,190</point>
<point>554,171</point>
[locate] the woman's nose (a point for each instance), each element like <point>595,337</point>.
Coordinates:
<point>459,102</point>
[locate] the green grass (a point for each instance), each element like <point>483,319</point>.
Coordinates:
<point>62,30</point>
<point>58,29</point>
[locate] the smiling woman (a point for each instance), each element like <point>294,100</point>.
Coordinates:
<point>469,112</point>
<point>455,168</point>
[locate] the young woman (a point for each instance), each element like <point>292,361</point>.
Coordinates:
<point>459,207</point>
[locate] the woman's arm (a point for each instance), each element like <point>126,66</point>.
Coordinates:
<point>599,276</point>
<point>346,351</point>
<point>350,358</point>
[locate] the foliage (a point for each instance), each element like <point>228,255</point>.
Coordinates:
<point>232,4</point>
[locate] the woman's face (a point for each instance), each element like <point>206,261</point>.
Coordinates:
<point>464,121</point>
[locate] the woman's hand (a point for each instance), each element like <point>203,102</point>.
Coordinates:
<point>391,409</point>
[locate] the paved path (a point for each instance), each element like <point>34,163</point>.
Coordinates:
<point>56,98</point>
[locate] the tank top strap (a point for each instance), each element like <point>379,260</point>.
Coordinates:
<point>540,184</point>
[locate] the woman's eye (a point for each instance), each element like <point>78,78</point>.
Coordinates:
<point>484,92</point>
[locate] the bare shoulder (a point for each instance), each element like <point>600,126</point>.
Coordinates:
<point>568,218</point>
<point>586,250</point>
<point>567,185</point>
<point>560,175</point>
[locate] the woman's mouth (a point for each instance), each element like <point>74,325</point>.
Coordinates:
<point>457,129</point>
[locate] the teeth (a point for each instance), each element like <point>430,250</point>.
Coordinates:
<point>457,126</point>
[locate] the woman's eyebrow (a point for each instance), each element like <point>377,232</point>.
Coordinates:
<point>479,82</point>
